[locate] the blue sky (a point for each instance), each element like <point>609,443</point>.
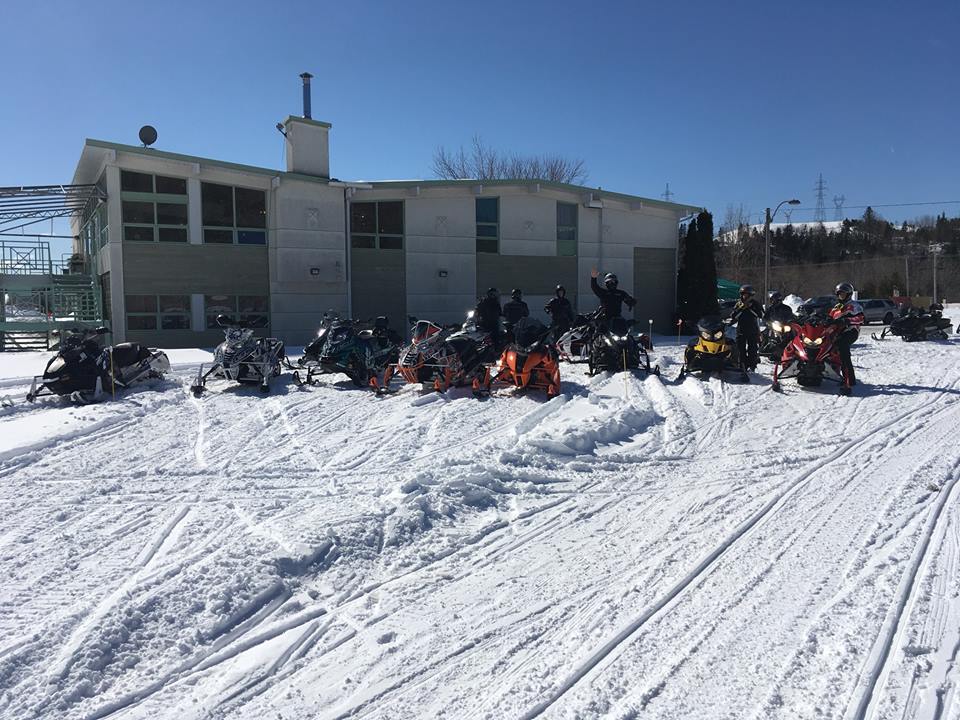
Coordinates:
<point>730,103</point>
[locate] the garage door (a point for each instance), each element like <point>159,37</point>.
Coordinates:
<point>655,286</point>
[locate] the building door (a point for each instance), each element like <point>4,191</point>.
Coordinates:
<point>377,275</point>
<point>655,286</point>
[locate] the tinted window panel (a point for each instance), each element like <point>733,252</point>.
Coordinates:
<point>566,214</point>
<point>487,210</point>
<point>141,303</point>
<point>175,303</point>
<point>171,214</point>
<point>489,231</point>
<point>255,321</point>
<point>251,208</point>
<point>363,241</point>
<point>141,322</point>
<point>220,303</point>
<point>138,234</point>
<point>569,234</point>
<point>363,217</point>
<point>138,212</point>
<point>218,236</point>
<point>253,303</point>
<point>251,237</point>
<point>217,204</point>
<point>488,245</point>
<point>388,242</point>
<point>171,186</point>
<point>136,182</point>
<point>390,218</point>
<point>174,322</point>
<point>173,234</point>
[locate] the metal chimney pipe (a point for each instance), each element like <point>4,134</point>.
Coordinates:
<point>306,94</point>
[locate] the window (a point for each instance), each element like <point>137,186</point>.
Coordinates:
<point>251,309</point>
<point>376,225</point>
<point>488,225</point>
<point>566,229</point>
<point>105,296</point>
<point>93,229</point>
<point>153,312</point>
<point>153,207</point>
<point>233,215</point>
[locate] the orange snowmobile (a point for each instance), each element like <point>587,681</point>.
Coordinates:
<point>530,361</point>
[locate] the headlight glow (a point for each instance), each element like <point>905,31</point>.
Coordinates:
<point>717,335</point>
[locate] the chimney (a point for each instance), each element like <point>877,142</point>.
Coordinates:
<point>308,142</point>
<point>306,94</point>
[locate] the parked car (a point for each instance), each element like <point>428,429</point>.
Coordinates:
<point>882,311</point>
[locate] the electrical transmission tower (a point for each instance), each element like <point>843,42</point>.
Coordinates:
<point>838,201</point>
<point>788,212</point>
<point>821,189</point>
<point>667,194</point>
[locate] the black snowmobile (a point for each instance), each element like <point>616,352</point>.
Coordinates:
<point>712,351</point>
<point>775,336</point>
<point>919,325</point>
<point>362,354</point>
<point>574,344</point>
<point>86,371</point>
<point>313,351</point>
<point>615,348</point>
<point>242,357</point>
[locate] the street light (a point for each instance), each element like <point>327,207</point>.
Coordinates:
<point>766,251</point>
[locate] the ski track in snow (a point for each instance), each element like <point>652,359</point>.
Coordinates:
<point>322,552</point>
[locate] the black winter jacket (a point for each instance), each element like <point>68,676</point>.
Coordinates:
<point>745,316</point>
<point>514,310</point>
<point>560,311</point>
<point>611,301</point>
<point>487,314</point>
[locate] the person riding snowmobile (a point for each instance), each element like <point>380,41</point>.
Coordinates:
<point>487,314</point>
<point>745,315</point>
<point>560,311</point>
<point>848,312</point>
<point>612,298</point>
<point>515,309</point>
<point>777,309</point>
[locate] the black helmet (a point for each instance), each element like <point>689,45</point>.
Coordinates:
<point>775,296</point>
<point>610,281</point>
<point>844,287</point>
<point>560,289</point>
<point>516,293</point>
<point>747,290</point>
<point>493,293</point>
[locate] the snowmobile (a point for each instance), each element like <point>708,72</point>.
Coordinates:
<point>310,360</point>
<point>811,355</point>
<point>443,357</point>
<point>574,345</point>
<point>918,325</point>
<point>711,351</point>
<point>775,336</point>
<point>242,357</point>
<point>362,354</point>
<point>615,348</point>
<point>530,361</point>
<point>85,371</point>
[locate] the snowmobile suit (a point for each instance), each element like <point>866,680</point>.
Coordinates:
<point>780,312</point>
<point>612,301</point>
<point>745,315</point>
<point>561,315</point>
<point>514,310</point>
<point>850,313</point>
<point>488,314</point>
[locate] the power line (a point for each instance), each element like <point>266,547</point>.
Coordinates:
<point>821,187</point>
<point>872,205</point>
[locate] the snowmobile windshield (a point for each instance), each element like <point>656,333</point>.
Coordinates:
<point>236,336</point>
<point>528,332</point>
<point>424,329</point>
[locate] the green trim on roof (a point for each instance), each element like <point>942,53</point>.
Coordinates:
<point>308,121</point>
<point>150,152</point>
<point>543,183</point>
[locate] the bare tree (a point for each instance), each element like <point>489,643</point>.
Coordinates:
<point>485,163</point>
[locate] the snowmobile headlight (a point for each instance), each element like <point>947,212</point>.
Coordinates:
<point>705,335</point>
<point>777,327</point>
<point>718,334</point>
<point>813,342</point>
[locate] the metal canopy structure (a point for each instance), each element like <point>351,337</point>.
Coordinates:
<point>42,202</point>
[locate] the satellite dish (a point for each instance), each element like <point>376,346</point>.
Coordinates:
<point>148,135</point>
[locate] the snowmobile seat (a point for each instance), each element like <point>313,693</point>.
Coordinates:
<point>129,353</point>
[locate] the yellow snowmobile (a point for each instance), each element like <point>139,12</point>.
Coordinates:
<point>711,351</point>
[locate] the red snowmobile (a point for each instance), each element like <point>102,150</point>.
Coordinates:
<point>811,355</point>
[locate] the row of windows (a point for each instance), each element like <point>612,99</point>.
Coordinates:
<point>154,208</point>
<point>488,227</point>
<point>376,225</point>
<point>173,312</point>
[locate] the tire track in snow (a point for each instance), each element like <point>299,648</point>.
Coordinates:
<point>693,578</point>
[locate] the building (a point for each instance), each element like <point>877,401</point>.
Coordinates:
<point>180,239</point>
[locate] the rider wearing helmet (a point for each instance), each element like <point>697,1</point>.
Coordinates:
<point>611,297</point>
<point>847,312</point>
<point>560,311</point>
<point>487,313</point>
<point>516,309</point>
<point>777,309</point>
<point>746,314</point>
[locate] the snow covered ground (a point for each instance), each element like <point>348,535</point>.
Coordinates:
<point>632,548</point>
